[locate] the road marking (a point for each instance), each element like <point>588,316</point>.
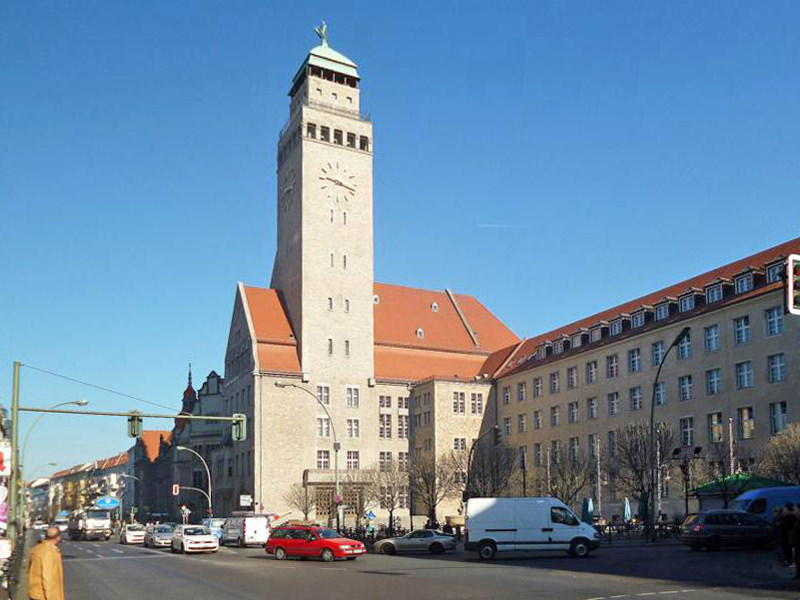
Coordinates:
<point>647,594</point>
<point>117,551</point>
<point>620,596</point>
<point>334,569</point>
<point>671,592</point>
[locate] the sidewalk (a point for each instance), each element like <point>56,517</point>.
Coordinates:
<point>18,587</point>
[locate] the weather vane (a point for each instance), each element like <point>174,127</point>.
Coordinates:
<point>322,32</point>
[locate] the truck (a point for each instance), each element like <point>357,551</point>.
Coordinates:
<point>90,524</point>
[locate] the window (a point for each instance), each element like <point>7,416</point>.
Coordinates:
<point>402,460</point>
<point>363,143</point>
<point>330,346</point>
<point>572,378</point>
<point>716,433</point>
<point>685,390</point>
<point>714,293</point>
<point>520,391</point>
<point>591,371</point>
<point>522,425</point>
<point>635,395</point>
<point>325,134</point>
<point>747,423</point>
<point>744,375</point>
<point>346,305</point>
<point>459,403</point>
<point>323,460</point>
<point>634,360</point>
<point>353,429</point>
<point>744,283</point>
<point>507,425</point>
<point>687,431</point>
<point>537,455</point>
<point>774,318</point>
<point>537,387</point>
<point>613,403</point>
<point>333,259</point>
<point>352,460</point>
<point>459,443</point>
<point>616,327</point>
<point>685,347</point>
<point>686,303</point>
<point>324,394</point>
<point>612,366</point>
<point>741,330</point>
<point>385,402</point>
<point>638,319</point>
<point>554,383</point>
<point>778,417</point>
<point>428,444</point>
<point>572,412</point>
<point>476,404</point>
<point>311,131</point>
<point>352,397</point>
<point>344,261</point>
<point>612,443</point>
<point>555,416</point>
<point>661,393</point>
<point>591,408</point>
<point>776,366</point>
<point>385,427</point>
<point>775,272</point>
<point>330,303</point>
<point>347,347</point>
<point>713,382</point>
<point>711,335</point>
<point>351,140</point>
<point>323,427</point>
<point>574,448</point>
<point>593,443</point>
<point>662,311</point>
<point>337,137</point>
<point>555,452</point>
<point>537,419</point>
<point>506,395</point>
<point>402,427</point>
<point>658,352</point>
<point>558,347</point>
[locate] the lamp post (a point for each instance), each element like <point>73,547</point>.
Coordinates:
<point>653,491</point>
<point>208,472</point>
<point>685,465</point>
<point>336,445</point>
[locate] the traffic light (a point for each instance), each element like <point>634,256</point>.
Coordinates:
<point>135,424</point>
<point>496,435</point>
<point>239,427</point>
<point>793,284</point>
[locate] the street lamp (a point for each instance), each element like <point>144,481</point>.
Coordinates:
<point>208,472</point>
<point>336,444</point>
<point>685,465</point>
<point>651,522</point>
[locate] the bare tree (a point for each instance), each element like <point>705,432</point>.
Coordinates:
<point>359,492</point>
<point>780,460</point>
<point>390,480</point>
<point>434,479</point>
<point>492,470</point>
<point>569,476</point>
<point>631,456</point>
<point>300,498</point>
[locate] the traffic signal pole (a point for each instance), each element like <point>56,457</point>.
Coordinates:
<point>14,524</point>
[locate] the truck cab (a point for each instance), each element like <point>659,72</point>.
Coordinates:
<point>90,524</point>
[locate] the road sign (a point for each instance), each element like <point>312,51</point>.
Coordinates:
<point>176,489</point>
<point>245,500</point>
<point>107,502</point>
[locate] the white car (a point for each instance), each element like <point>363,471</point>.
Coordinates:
<point>421,540</point>
<point>133,533</point>
<point>193,538</point>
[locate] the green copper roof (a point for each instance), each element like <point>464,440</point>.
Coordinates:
<point>325,57</point>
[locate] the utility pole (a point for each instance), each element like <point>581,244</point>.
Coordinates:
<point>14,524</point>
<point>525,474</point>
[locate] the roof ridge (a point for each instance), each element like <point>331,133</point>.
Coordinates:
<point>462,316</point>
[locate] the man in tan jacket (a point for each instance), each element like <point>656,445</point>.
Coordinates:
<point>46,575</point>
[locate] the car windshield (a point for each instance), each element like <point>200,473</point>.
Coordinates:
<point>97,514</point>
<point>163,529</point>
<point>327,534</point>
<point>196,531</point>
<point>136,527</point>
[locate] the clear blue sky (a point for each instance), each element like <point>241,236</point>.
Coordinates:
<point>552,159</point>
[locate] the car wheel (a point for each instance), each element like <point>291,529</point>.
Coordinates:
<point>352,557</point>
<point>487,550</point>
<point>436,548</point>
<point>241,543</point>
<point>388,549</point>
<point>183,549</point>
<point>579,548</point>
<point>280,554</point>
<point>172,549</point>
<point>327,555</point>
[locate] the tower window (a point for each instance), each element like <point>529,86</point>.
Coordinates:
<point>344,217</point>
<point>349,99</point>
<point>420,333</point>
<point>344,261</point>
<point>311,131</point>
<point>363,143</point>
<point>330,303</point>
<point>325,134</point>
<point>351,140</point>
<point>337,136</point>
<point>331,258</point>
<point>347,347</point>
<point>330,346</point>
<point>346,305</point>
<point>335,96</point>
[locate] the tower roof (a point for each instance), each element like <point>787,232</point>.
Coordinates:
<point>325,57</point>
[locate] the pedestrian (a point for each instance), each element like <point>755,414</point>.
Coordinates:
<point>458,532</point>
<point>785,532</point>
<point>45,573</point>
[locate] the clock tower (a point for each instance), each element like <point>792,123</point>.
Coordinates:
<point>324,257</point>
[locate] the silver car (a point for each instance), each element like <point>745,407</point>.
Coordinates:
<point>421,540</point>
<point>158,536</point>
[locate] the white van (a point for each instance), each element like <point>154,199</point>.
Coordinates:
<point>763,501</point>
<point>245,528</point>
<point>526,524</point>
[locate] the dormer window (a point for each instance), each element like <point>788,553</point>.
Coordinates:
<point>576,341</point>
<point>744,283</point>
<point>420,333</point>
<point>542,352</point>
<point>558,348</point>
<point>434,307</point>
<point>686,303</point>
<point>638,319</point>
<point>714,293</point>
<point>376,299</point>
<point>595,334</point>
<point>775,272</point>
<point>662,311</point>
<point>616,327</point>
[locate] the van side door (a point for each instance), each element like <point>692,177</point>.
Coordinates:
<point>563,527</point>
<point>532,525</point>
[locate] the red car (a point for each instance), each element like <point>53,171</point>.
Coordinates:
<point>312,541</point>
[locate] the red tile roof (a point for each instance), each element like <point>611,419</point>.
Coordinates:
<point>276,344</point>
<point>112,462</point>
<point>151,440</point>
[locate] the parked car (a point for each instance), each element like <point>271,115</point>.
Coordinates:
<point>421,540</point>
<point>193,538</point>
<point>312,542</point>
<point>158,536</point>
<point>713,529</point>
<point>529,524</point>
<point>763,501</point>
<point>132,533</point>
<point>215,525</point>
<point>246,528</point>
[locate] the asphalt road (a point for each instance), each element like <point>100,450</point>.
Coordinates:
<point>107,570</point>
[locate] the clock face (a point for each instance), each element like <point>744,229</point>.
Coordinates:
<point>285,189</point>
<point>337,182</point>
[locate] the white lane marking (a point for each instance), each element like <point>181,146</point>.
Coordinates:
<point>671,592</point>
<point>620,596</point>
<point>117,551</point>
<point>343,569</point>
<point>647,594</point>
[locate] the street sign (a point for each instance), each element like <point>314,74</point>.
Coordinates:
<point>176,489</point>
<point>107,502</point>
<point>245,500</point>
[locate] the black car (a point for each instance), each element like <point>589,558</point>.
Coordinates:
<point>713,529</point>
